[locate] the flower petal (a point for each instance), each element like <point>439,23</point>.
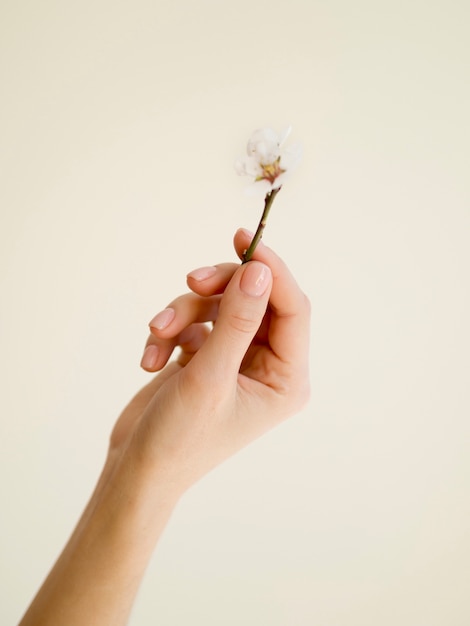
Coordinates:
<point>284,134</point>
<point>248,166</point>
<point>291,157</point>
<point>258,188</point>
<point>263,145</point>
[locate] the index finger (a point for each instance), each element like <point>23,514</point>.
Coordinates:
<point>290,308</point>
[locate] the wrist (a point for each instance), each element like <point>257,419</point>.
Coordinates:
<point>134,494</point>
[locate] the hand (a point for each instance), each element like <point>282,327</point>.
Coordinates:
<point>228,385</point>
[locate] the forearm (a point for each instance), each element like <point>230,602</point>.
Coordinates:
<point>97,576</point>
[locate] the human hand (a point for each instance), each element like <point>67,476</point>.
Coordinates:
<point>228,385</point>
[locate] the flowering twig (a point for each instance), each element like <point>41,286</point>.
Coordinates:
<point>268,163</point>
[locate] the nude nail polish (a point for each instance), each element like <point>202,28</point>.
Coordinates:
<point>202,273</point>
<point>163,319</point>
<point>149,358</point>
<point>255,279</point>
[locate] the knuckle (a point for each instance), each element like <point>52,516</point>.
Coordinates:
<point>243,323</point>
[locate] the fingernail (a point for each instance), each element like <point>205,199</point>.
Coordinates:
<point>255,279</point>
<point>149,358</point>
<point>202,273</point>
<point>163,319</point>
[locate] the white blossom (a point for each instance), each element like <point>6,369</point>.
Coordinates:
<point>267,161</point>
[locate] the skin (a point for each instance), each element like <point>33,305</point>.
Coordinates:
<point>228,385</point>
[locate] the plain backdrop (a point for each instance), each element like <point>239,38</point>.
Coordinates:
<point>119,125</point>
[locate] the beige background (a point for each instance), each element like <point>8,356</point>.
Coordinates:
<point>119,125</point>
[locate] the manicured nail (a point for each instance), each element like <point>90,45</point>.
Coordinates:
<point>149,358</point>
<point>255,279</point>
<point>202,273</point>
<point>163,319</point>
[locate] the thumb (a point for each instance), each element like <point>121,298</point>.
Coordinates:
<point>241,312</point>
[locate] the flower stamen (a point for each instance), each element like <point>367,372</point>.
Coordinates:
<point>271,171</point>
